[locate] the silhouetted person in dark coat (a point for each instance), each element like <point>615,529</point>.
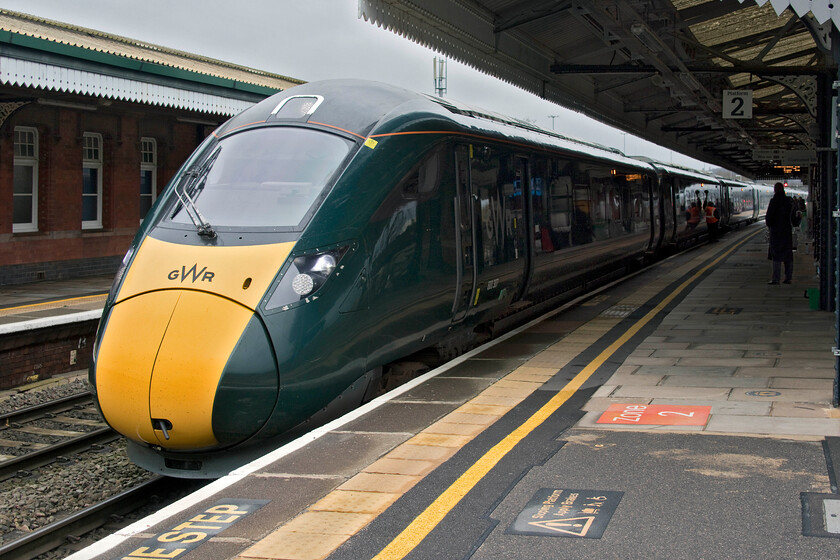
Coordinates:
<point>581,228</point>
<point>781,217</point>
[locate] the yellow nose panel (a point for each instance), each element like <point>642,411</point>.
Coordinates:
<point>201,336</point>
<point>162,356</point>
<point>242,274</point>
<point>126,359</point>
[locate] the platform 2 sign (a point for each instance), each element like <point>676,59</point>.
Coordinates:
<point>655,414</point>
<point>737,104</point>
<point>559,512</point>
<point>186,536</point>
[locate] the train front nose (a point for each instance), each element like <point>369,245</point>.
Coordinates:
<point>185,369</point>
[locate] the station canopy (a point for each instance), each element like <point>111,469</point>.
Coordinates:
<point>744,84</point>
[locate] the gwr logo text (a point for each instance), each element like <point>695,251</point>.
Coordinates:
<point>193,274</point>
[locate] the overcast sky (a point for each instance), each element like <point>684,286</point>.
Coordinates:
<point>320,39</point>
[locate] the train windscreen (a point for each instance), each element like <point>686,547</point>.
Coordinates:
<point>262,178</point>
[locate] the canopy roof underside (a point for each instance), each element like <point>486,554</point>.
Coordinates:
<point>655,68</point>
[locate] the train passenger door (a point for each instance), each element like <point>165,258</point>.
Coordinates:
<point>671,208</point>
<point>725,204</point>
<point>464,235</point>
<point>525,220</point>
<point>498,179</point>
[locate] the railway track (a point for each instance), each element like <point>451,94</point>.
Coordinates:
<point>53,493</point>
<point>39,435</point>
<point>56,534</point>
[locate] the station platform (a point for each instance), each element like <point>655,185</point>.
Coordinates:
<point>20,303</point>
<point>682,413</point>
<point>47,329</point>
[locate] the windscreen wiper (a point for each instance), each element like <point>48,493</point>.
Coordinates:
<point>193,181</point>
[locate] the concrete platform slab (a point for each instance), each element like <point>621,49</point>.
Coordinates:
<point>340,454</point>
<point>783,395</point>
<point>777,425</point>
<point>800,410</point>
<point>788,372</point>
<point>708,371</point>
<point>484,367</point>
<point>717,381</point>
<point>823,385</point>
<point>660,392</point>
<point>446,389</point>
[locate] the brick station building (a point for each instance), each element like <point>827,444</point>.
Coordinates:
<point>92,127</point>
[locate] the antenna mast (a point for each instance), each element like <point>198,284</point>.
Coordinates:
<point>439,70</point>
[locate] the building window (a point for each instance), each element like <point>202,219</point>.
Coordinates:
<point>25,198</point>
<point>148,174</point>
<point>92,181</point>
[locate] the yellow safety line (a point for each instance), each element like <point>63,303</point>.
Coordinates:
<point>424,523</point>
<point>51,304</point>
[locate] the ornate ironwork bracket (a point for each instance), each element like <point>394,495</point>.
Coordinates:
<point>6,110</point>
<point>808,134</point>
<point>805,88</point>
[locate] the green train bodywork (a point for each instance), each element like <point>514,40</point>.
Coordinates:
<point>422,252</point>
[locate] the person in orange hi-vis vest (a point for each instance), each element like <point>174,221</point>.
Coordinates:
<point>712,219</point>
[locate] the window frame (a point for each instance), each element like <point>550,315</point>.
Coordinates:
<point>31,162</point>
<point>91,163</point>
<point>150,166</point>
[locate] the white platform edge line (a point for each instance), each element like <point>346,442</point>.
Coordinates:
<point>58,320</point>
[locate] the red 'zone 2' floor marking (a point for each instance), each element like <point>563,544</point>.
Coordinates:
<point>655,414</point>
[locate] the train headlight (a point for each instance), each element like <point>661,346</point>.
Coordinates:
<point>325,264</point>
<point>303,284</point>
<point>304,276</point>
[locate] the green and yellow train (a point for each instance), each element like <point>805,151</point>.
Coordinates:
<point>339,226</point>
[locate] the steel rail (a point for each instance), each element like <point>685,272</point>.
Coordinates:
<point>55,534</point>
<point>47,455</point>
<point>50,453</point>
<point>39,410</point>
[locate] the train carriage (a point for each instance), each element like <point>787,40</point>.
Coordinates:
<point>334,228</point>
<point>761,196</point>
<point>742,203</point>
<point>685,194</point>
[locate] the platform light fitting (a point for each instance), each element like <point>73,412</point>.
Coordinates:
<point>65,104</point>
<point>645,36</point>
<point>204,122</point>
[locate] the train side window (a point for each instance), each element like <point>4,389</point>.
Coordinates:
<point>424,179</point>
<point>636,203</point>
<point>617,207</point>
<point>540,173</point>
<point>497,178</point>
<point>560,206</point>
<point>681,211</point>
<point>601,206</point>
<point>582,232</point>
<point>642,203</point>
<point>486,180</point>
<point>419,184</point>
<point>694,205</point>
<point>515,173</point>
